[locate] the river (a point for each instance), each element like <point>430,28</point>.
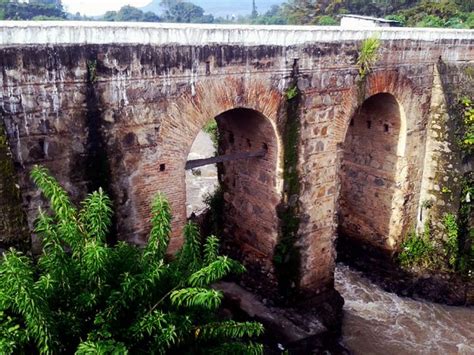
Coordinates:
<point>379,322</point>
<point>375,321</point>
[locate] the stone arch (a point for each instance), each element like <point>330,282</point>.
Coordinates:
<point>251,187</point>
<point>186,116</point>
<point>369,173</point>
<point>409,149</point>
<point>393,82</point>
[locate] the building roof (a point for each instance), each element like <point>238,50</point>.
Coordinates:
<point>370,18</point>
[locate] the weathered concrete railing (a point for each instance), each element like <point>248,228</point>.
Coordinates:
<point>71,32</point>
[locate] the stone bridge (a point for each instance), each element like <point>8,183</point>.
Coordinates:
<point>119,105</point>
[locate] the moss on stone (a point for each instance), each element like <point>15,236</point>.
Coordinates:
<point>451,213</point>
<point>287,257</point>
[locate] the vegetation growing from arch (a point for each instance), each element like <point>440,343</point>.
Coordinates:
<point>84,296</point>
<point>368,55</point>
<point>213,131</point>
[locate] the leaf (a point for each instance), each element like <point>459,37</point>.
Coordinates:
<point>197,297</point>
<point>214,271</point>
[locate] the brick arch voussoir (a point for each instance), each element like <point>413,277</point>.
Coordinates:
<point>390,82</point>
<point>209,98</point>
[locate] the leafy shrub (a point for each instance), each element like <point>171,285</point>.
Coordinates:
<point>451,244</point>
<point>417,249</point>
<point>85,296</point>
<point>215,203</point>
<point>431,21</point>
<point>327,21</point>
<point>400,18</point>
<point>292,92</point>
<point>466,231</point>
<point>467,141</point>
<point>213,131</point>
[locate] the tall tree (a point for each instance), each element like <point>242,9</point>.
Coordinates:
<point>254,10</point>
<point>187,12</point>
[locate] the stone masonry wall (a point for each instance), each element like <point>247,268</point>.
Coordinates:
<point>447,167</point>
<point>252,186</point>
<point>138,108</point>
<point>368,171</point>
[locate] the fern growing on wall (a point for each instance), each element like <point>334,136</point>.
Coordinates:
<point>368,55</point>
<point>85,296</point>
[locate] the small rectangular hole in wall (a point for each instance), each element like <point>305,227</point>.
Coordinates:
<point>162,167</point>
<point>369,124</point>
<point>385,127</point>
<point>352,122</point>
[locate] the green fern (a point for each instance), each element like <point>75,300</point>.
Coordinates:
<point>229,329</point>
<point>368,55</point>
<point>197,297</point>
<point>215,271</point>
<point>211,249</point>
<point>85,296</point>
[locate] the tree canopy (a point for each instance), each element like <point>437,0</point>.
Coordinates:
<point>34,10</point>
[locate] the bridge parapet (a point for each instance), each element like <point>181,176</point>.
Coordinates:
<point>72,32</point>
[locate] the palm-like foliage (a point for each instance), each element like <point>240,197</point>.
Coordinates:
<point>85,296</point>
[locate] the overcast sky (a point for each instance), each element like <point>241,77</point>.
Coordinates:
<point>98,7</point>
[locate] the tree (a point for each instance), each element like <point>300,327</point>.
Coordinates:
<point>110,16</point>
<point>169,3</point>
<point>300,11</point>
<point>10,10</point>
<point>327,21</point>
<point>130,13</point>
<point>53,3</point>
<point>254,10</point>
<point>84,296</point>
<point>187,12</point>
<point>150,17</point>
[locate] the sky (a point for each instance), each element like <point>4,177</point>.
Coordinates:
<point>99,7</point>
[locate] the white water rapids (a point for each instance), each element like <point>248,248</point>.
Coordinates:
<point>378,322</point>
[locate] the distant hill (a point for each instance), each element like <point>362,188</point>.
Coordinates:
<point>222,7</point>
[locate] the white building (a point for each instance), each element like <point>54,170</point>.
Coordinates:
<point>357,21</point>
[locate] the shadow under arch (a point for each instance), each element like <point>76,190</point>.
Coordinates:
<point>372,172</point>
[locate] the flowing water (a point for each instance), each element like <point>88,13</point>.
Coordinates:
<point>378,322</point>
<point>375,321</point>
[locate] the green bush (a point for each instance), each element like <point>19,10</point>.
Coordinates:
<point>467,141</point>
<point>451,244</point>
<point>85,296</point>
<point>327,21</point>
<point>213,131</point>
<point>417,249</point>
<point>431,21</point>
<point>292,92</point>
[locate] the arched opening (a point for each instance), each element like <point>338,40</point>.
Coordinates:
<point>246,157</point>
<point>202,182</point>
<point>369,172</point>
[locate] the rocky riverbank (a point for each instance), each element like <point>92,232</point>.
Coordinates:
<point>446,288</point>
